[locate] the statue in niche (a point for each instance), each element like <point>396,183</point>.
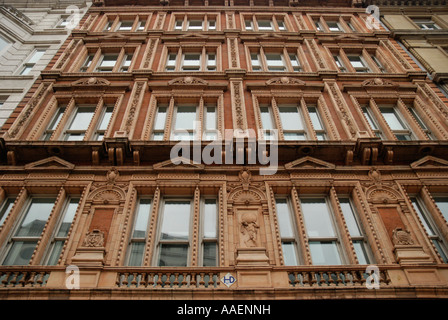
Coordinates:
<point>249,229</point>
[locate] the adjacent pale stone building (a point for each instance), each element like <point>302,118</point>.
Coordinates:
<point>422,28</point>
<point>31,32</point>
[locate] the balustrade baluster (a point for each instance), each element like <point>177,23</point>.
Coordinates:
<point>184,282</point>
<point>211,281</point>
<point>193,280</point>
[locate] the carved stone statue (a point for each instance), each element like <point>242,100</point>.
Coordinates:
<point>249,229</point>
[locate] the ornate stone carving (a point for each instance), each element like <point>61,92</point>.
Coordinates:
<point>94,239</point>
<point>249,229</point>
<point>245,177</point>
<point>402,237</point>
<point>188,81</point>
<point>285,81</point>
<point>378,82</point>
<point>92,81</point>
<point>112,175</point>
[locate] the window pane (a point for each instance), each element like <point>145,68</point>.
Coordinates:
<point>3,43</point>
<point>349,217</point>
<point>69,214</point>
<point>20,253</point>
<point>186,117</point>
<point>109,61</point>
<point>290,118</point>
<point>361,252</point>
<point>173,255</point>
<point>106,118</point>
<point>55,252</point>
<point>266,118</point>
<point>82,118</point>
<point>210,118</point>
<point>324,253</point>
<point>209,255</point>
<point>264,25</point>
<point>317,218</point>
<point>289,253</point>
<point>192,61</point>
<point>136,250</point>
<point>176,220</point>
<point>284,219</point>
<point>275,62</point>
<point>423,218</point>
<point>159,123</point>
<point>36,56</point>
<point>195,25</point>
<point>255,60</point>
<point>392,119</point>
<point>126,26</point>
<point>6,208</point>
<point>210,213</point>
<point>333,26</point>
<point>314,116</point>
<point>36,217</point>
<point>442,204</point>
<point>141,220</point>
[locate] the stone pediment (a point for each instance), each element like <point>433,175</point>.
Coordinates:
<point>187,81</point>
<point>429,162</point>
<point>52,163</point>
<point>92,81</point>
<point>179,163</point>
<point>285,81</point>
<point>308,163</point>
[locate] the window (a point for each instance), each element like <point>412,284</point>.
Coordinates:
<point>61,232</point>
<point>26,234</point>
<point>362,249</point>
<point>32,60</point>
<point>85,122</point>
<point>426,24</point>
<point>263,23</point>
<point>203,60</point>
<point>322,237</point>
<point>364,62</point>
<point>393,122</point>
<point>107,62</point>
<point>174,235</point>
<point>334,24</point>
<point>209,233</point>
<point>287,232</point>
<point>195,23</point>
<point>126,23</point>
<point>291,121</point>
<point>275,61</point>
<point>431,228</point>
<point>358,63</point>
<point>139,231</point>
<point>185,124</point>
